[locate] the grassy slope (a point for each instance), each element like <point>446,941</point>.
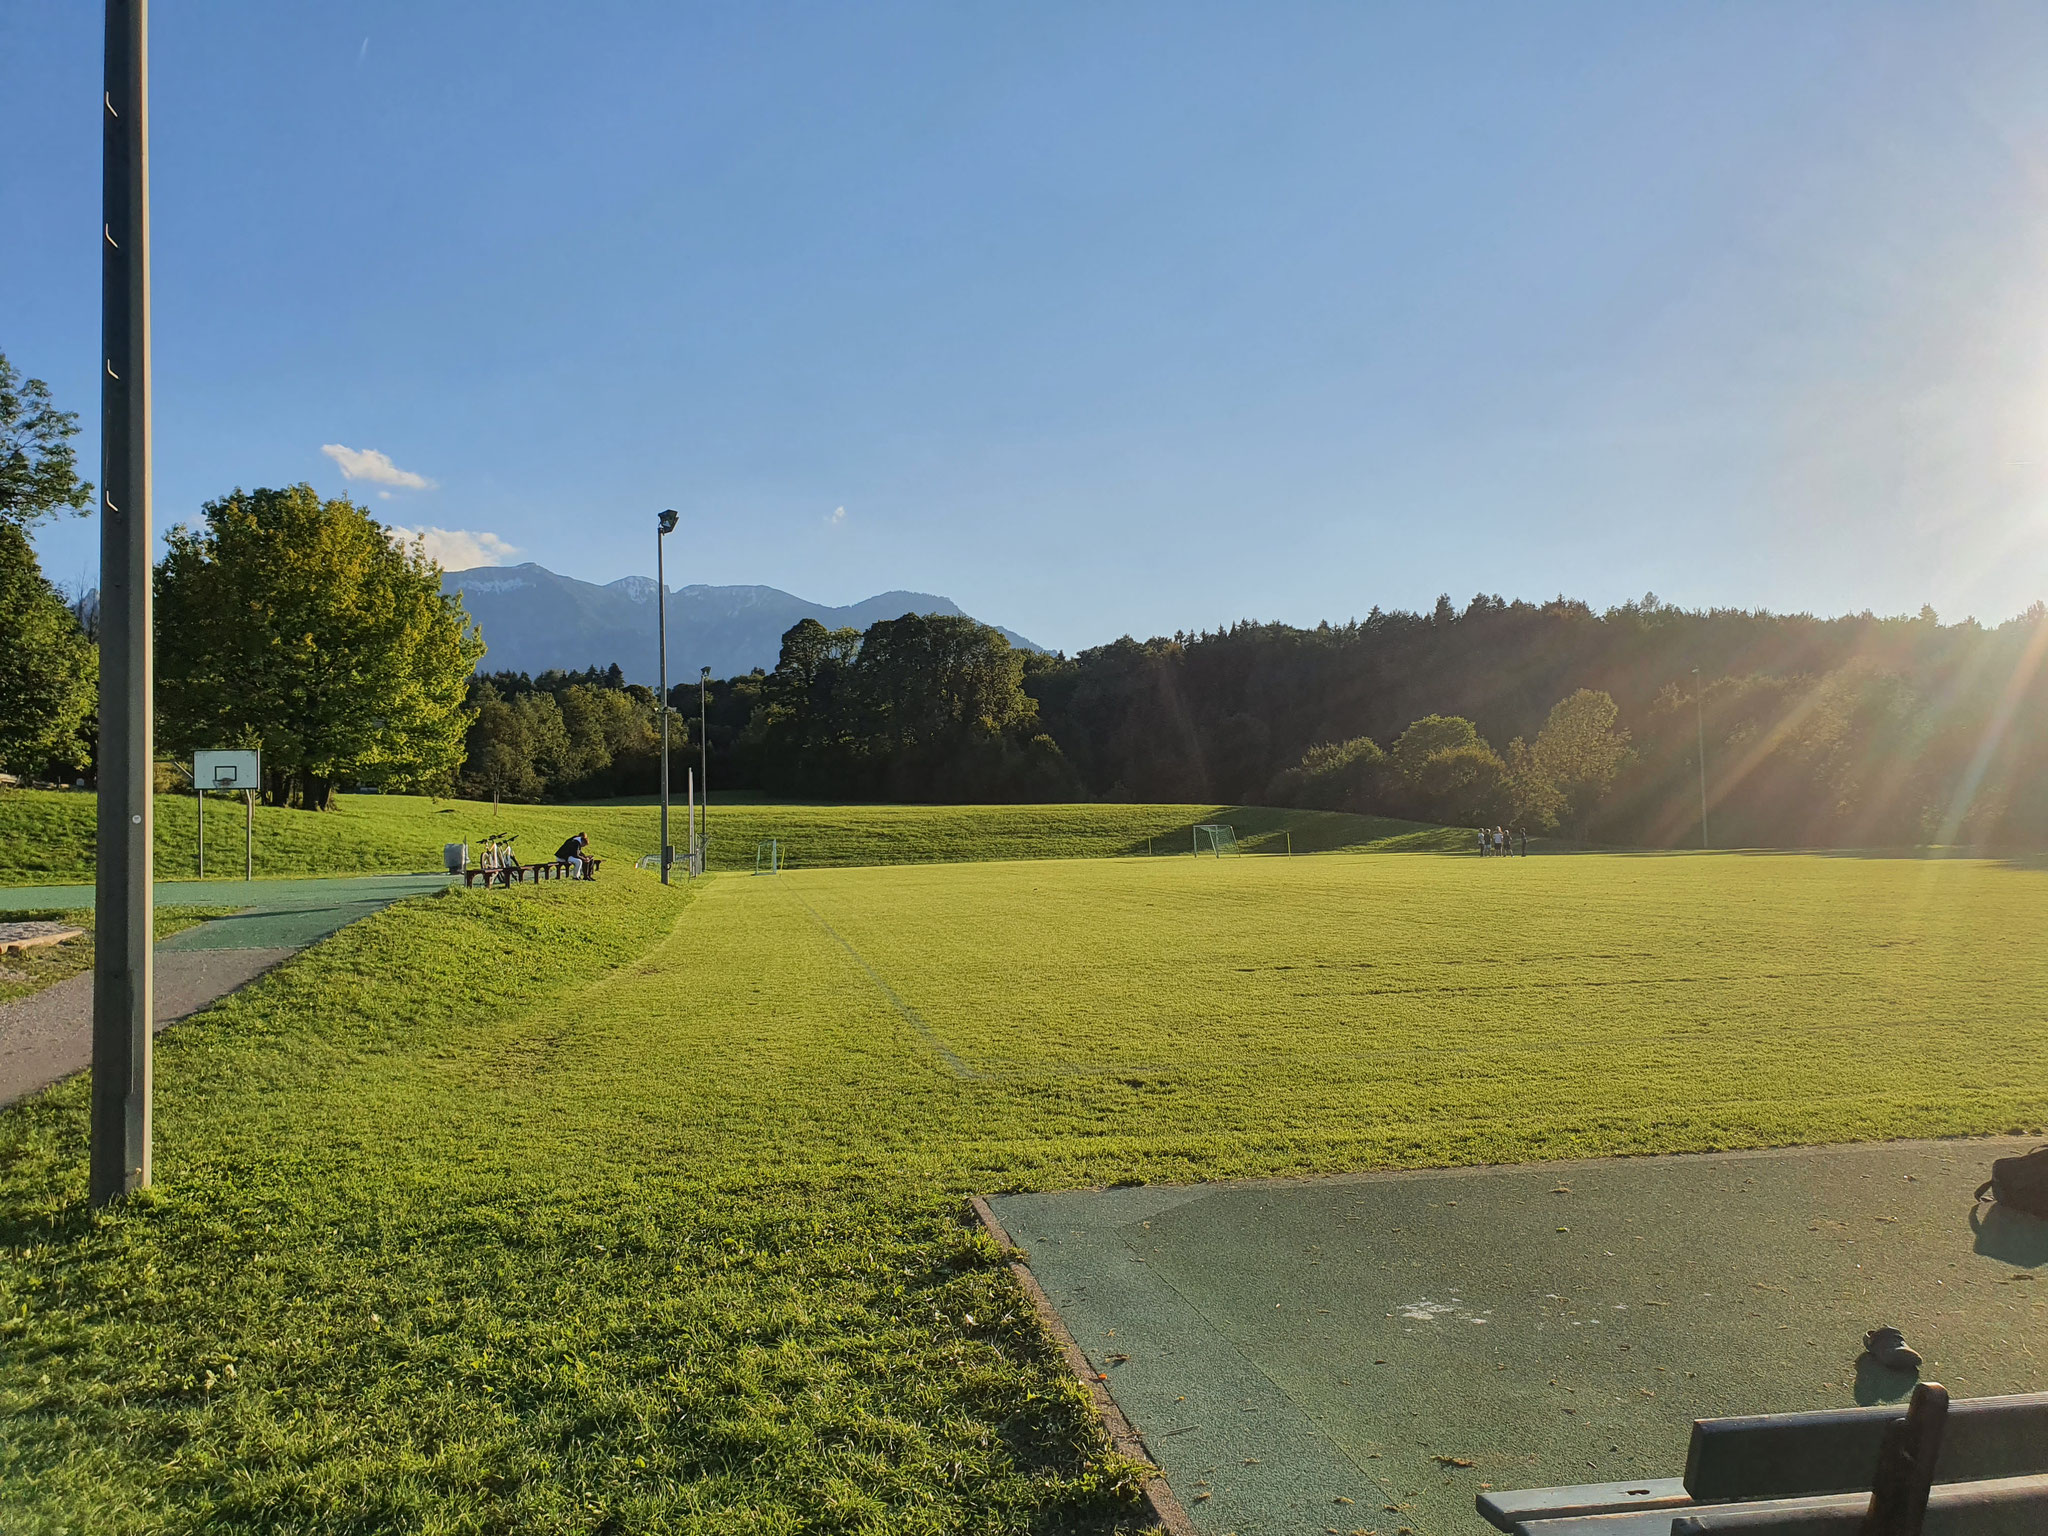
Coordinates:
<point>47,836</point>
<point>451,1241</point>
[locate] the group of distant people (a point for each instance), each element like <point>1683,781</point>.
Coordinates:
<point>1500,841</point>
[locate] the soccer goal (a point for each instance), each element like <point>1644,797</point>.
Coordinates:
<point>768,857</point>
<point>1217,837</point>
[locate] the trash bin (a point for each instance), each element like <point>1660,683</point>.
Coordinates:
<point>456,857</point>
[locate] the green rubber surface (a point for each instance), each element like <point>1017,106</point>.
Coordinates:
<point>278,914</point>
<point>1291,1346</point>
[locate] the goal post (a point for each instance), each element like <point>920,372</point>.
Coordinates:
<point>1217,837</point>
<point>768,857</point>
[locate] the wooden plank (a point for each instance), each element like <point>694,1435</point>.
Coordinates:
<point>15,937</point>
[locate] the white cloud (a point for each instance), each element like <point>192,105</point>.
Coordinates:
<point>838,516</point>
<point>377,468</point>
<point>458,549</point>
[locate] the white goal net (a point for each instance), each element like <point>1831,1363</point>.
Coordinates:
<point>1217,837</point>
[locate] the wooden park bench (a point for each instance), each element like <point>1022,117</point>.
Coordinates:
<point>1978,1467</point>
<point>507,874</point>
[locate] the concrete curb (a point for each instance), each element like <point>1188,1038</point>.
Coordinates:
<point>1166,1509</point>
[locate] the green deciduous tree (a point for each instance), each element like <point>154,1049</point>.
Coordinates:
<point>498,748</point>
<point>1336,776</point>
<point>925,707</point>
<point>38,469</point>
<point>1464,786</point>
<point>49,671</point>
<point>1428,736</point>
<point>296,624</point>
<point>1577,756</point>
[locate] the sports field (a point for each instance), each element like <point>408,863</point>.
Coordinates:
<point>598,1207</point>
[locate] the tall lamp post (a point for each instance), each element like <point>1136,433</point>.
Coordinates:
<point>121,974</point>
<point>1699,716</point>
<point>668,526</point>
<point>704,760</point>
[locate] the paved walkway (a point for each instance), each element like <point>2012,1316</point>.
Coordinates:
<point>47,1036</point>
<point>1401,1341</point>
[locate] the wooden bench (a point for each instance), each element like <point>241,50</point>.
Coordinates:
<point>1811,1474</point>
<point>546,869</point>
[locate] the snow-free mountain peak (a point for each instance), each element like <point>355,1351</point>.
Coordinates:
<point>534,619</point>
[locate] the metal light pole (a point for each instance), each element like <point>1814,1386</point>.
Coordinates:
<point>704,760</point>
<point>1700,720</point>
<point>121,980</point>
<point>668,526</point>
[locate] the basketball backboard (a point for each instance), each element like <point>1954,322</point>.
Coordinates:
<point>227,769</point>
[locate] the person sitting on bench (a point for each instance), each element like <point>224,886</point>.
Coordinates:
<point>572,852</point>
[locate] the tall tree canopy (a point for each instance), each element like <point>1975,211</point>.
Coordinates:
<point>49,670</point>
<point>925,707</point>
<point>38,469</point>
<point>295,624</point>
<point>1578,754</point>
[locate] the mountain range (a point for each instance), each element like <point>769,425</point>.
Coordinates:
<point>532,620</point>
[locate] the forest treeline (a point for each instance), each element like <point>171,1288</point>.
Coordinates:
<point>1852,731</point>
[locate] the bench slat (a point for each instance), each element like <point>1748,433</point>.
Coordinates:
<point>1506,1509</point>
<point>2006,1506</point>
<point>1792,1455</point>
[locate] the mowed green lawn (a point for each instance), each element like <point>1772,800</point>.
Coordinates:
<point>603,1208</point>
<point>47,836</point>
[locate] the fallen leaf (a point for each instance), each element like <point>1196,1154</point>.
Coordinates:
<point>1450,1461</point>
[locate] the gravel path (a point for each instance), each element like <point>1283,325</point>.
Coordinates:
<point>47,1036</point>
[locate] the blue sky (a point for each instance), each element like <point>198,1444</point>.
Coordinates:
<point>1095,318</point>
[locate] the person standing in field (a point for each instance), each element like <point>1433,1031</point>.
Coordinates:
<point>1482,842</point>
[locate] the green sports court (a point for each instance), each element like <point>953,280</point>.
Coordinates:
<point>1370,1351</point>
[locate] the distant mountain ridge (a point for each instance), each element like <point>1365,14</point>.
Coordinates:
<point>533,619</point>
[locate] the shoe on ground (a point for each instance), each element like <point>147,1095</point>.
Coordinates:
<point>1887,1346</point>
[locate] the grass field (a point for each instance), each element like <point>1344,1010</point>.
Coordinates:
<point>47,836</point>
<point>601,1208</point>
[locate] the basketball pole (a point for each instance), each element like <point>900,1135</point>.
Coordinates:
<point>121,978</point>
